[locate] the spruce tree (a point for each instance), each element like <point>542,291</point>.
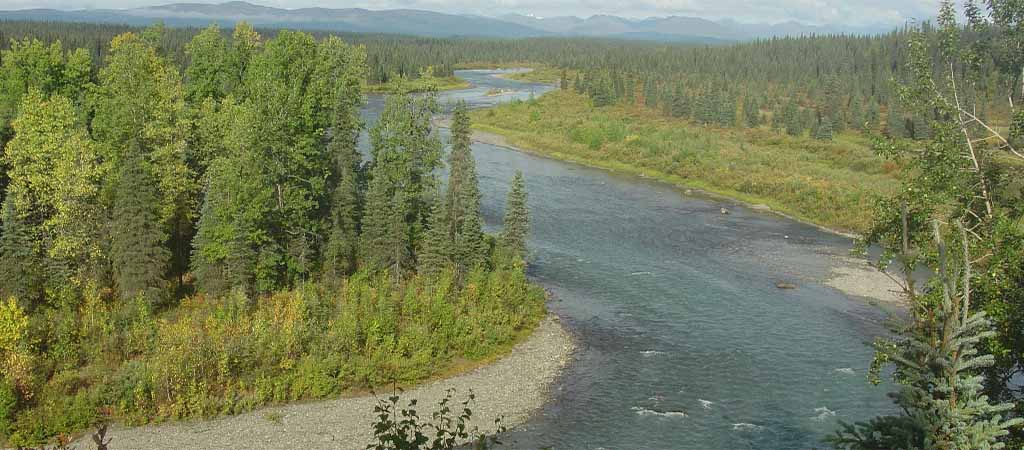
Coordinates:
<point>751,113</point>
<point>896,126</point>
<point>563,81</point>
<point>232,248</point>
<point>462,199</point>
<point>856,115</point>
<point>517,220</point>
<point>341,249</point>
<point>21,266</point>
<point>793,120</point>
<point>385,241</point>
<point>679,103</point>
<point>436,252</point>
<point>137,252</point>
<point>871,116</point>
<point>824,129</point>
<point>726,110</point>
<point>937,363</point>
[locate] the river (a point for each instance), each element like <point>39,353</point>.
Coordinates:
<point>685,342</point>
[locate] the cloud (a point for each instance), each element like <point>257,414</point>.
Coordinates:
<point>835,12</point>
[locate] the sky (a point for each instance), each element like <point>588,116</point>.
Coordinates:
<point>816,12</point>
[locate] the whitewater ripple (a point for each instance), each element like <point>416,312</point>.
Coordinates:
<point>666,414</point>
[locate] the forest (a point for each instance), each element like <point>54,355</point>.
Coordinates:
<point>189,229</point>
<point>190,243</point>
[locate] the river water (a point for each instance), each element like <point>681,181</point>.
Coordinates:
<point>685,342</point>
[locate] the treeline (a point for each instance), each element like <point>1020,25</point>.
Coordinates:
<point>191,242</point>
<point>813,86</point>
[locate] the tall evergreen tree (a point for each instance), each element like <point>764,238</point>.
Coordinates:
<point>462,199</point>
<point>871,116</point>
<point>341,249</point>
<point>137,251</point>
<point>385,242</point>
<point>233,245</point>
<point>517,220</point>
<point>21,265</point>
<point>436,252</point>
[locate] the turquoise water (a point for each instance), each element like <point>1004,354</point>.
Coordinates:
<point>684,340</point>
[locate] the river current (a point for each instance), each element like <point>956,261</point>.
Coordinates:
<point>685,342</point>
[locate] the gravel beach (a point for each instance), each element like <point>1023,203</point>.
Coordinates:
<point>856,277</point>
<point>515,387</point>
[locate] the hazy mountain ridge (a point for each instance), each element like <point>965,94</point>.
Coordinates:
<point>427,23</point>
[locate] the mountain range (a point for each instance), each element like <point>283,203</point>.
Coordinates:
<point>429,23</point>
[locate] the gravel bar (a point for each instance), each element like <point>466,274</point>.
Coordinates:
<point>515,387</point>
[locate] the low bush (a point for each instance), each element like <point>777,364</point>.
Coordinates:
<point>212,356</point>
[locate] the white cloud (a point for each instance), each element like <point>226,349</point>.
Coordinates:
<point>835,12</point>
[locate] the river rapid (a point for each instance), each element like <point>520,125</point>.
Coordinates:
<point>684,340</point>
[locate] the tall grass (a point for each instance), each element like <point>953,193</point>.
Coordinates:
<point>828,183</point>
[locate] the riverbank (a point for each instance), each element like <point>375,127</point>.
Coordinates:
<point>855,277</point>
<point>852,276</point>
<point>494,136</point>
<point>828,184</point>
<point>513,387</point>
<point>422,84</point>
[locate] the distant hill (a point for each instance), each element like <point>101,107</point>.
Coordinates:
<point>424,23</point>
<point>665,28</point>
<point>398,21</point>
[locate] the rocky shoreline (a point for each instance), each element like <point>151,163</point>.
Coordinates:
<point>514,387</point>
<point>855,277</point>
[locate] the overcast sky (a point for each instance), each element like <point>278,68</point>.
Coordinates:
<point>848,12</point>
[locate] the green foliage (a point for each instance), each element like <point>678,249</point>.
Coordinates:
<point>829,183</point>
<point>937,361</point>
<point>823,131</point>
<point>21,266</point>
<point>956,175</point>
<point>456,236</point>
<point>140,97</point>
<point>402,428</point>
<point>406,151</point>
<point>137,251</point>
<point>8,405</point>
<point>54,187</point>
<point>212,356</point>
<point>517,220</point>
<point>232,247</point>
<point>30,64</point>
<point>212,71</point>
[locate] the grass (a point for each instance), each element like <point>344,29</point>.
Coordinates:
<point>421,84</point>
<point>539,73</point>
<point>830,184</point>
